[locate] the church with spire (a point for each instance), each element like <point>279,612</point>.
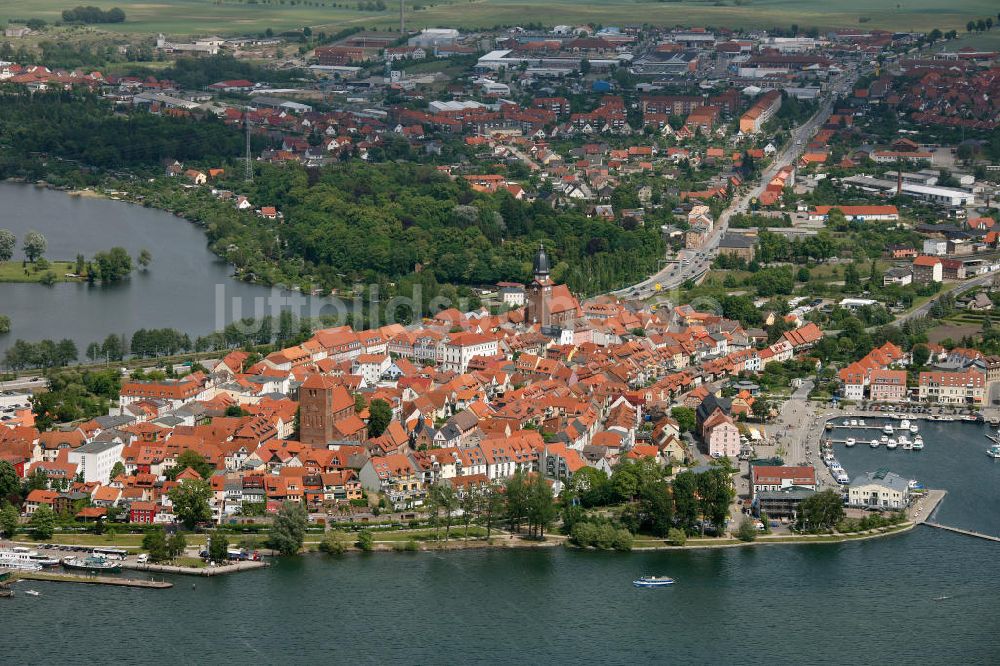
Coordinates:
<point>547,304</point>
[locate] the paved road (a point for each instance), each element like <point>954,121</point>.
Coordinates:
<point>24,384</point>
<point>957,291</point>
<point>673,275</point>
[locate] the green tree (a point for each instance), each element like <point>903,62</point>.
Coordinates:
<point>516,492</point>
<point>38,479</point>
<point>442,499</point>
<point>155,544</point>
<point>117,470</point>
<point>8,520</point>
<point>7,243</point>
<point>10,483</point>
<point>379,416</point>
<point>821,511</point>
<point>176,544</point>
<point>366,541</point>
<point>541,509</point>
<point>685,417</point>
<point>761,408</point>
<point>191,502</point>
<point>715,493</point>
<point>747,531</point>
<point>491,504</point>
<point>195,461</point>
<point>218,547</point>
<point>145,258</point>
<point>921,354</point>
<point>113,265</point>
<point>288,530</point>
<point>685,491</point>
<point>34,246</point>
<point>113,348</point>
<point>676,537</point>
<point>42,523</point>
<point>335,542</point>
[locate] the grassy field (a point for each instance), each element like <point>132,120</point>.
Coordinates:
<point>183,17</point>
<point>13,271</point>
<point>131,541</point>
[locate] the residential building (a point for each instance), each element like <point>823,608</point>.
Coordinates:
<point>777,477</point>
<point>95,460</point>
<point>927,269</point>
<point>881,489</point>
<point>887,385</point>
<point>967,387</point>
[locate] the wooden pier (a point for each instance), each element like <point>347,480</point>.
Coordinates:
<point>51,577</point>
<point>958,530</point>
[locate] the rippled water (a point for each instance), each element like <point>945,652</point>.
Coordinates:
<point>180,290</point>
<point>926,596</point>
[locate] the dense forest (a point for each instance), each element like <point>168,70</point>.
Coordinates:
<point>389,223</point>
<point>84,129</point>
<point>366,221</point>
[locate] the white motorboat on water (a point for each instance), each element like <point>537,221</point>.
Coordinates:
<point>891,444</point>
<point>884,439</point>
<point>861,422</point>
<point>33,593</point>
<point>908,446</point>
<point>903,440</point>
<point>904,424</point>
<point>993,451</point>
<point>850,442</point>
<point>887,429</point>
<point>847,422</point>
<point>873,444</point>
<point>914,429</point>
<point>20,559</point>
<point>653,581</point>
<point>918,443</point>
<point>842,478</point>
<point>854,422</point>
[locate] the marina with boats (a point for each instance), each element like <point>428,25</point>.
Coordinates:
<point>895,435</point>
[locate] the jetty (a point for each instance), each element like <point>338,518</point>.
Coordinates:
<point>220,570</point>
<point>51,577</point>
<point>958,530</point>
<point>921,511</point>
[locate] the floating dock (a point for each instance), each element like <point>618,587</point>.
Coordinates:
<point>93,580</point>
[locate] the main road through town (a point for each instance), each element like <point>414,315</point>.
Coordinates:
<point>673,274</point>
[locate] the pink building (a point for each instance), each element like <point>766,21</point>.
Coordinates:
<point>887,385</point>
<point>722,436</point>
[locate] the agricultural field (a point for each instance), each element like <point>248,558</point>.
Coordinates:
<point>185,17</point>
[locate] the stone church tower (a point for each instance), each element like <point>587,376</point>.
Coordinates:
<point>538,305</point>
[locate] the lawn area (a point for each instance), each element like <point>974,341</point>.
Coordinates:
<point>15,271</point>
<point>132,541</point>
<point>457,533</point>
<point>203,17</point>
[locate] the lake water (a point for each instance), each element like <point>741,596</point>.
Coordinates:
<point>954,458</point>
<point>926,596</point>
<point>180,290</point>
